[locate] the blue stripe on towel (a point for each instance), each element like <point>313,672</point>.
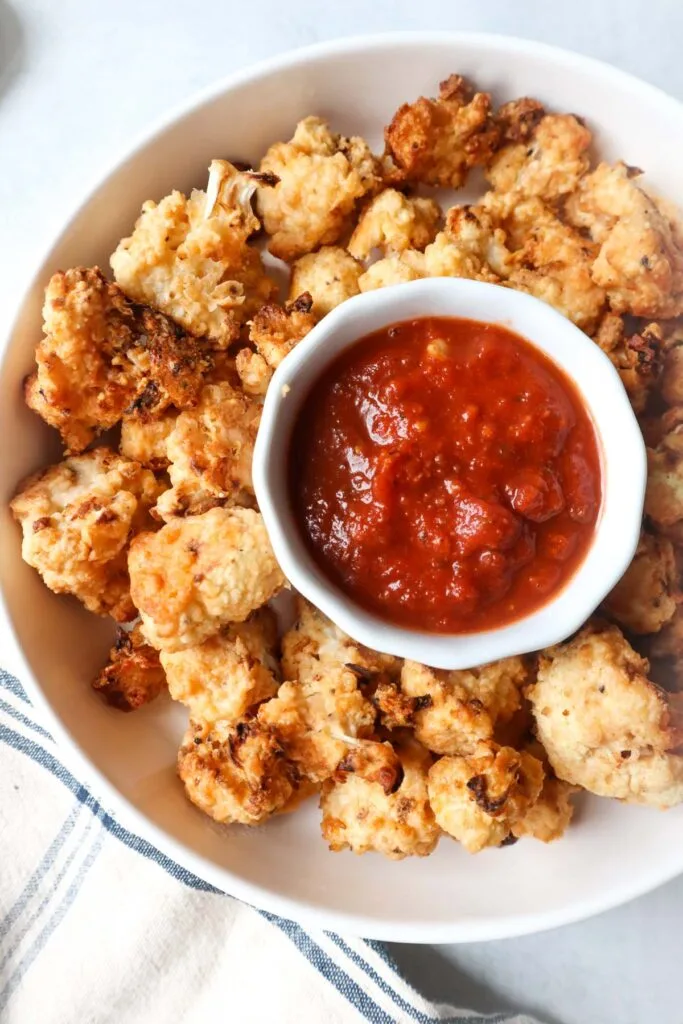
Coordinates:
<point>23,720</point>
<point>46,760</point>
<point>331,971</point>
<point>46,863</point>
<point>13,685</point>
<point>53,922</point>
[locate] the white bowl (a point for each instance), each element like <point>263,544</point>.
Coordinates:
<point>623,482</point>
<point>613,852</point>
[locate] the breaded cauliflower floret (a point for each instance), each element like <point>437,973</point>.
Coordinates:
<point>479,797</point>
<point>77,518</point>
<point>668,643</point>
<point>462,707</point>
<point>644,600</point>
<point>640,262</point>
<point>393,270</point>
<point>542,155</point>
<point>101,354</point>
<point>664,492</point>
<point>471,246</point>
<point>438,141</point>
<point>199,574</point>
<point>236,774</point>
<point>133,676</point>
<point>190,257</point>
<point>221,679</point>
<point>603,724</point>
<point>321,178</point>
<point>329,276</point>
<point>672,371</point>
<point>320,712</point>
<point>144,440</point>
<point>361,816</point>
<point>393,222</point>
<point>637,357</point>
<point>274,332</point>
<point>210,450</point>
<point>549,259</point>
<point>550,816</point>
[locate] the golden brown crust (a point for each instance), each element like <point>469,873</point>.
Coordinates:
<point>480,797</point>
<point>190,258</point>
<point>321,177</point>
<point>543,155</point>
<point>224,677</point>
<point>462,707</point>
<point>640,260</point>
<point>274,332</point>
<point>236,774</point>
<point>210,450</point>
<point>645,598</point>
<point>321,712</point>
<point>329,276</point>
<point>102,355</point>
<point>362,815</point>
<point>77,519</point>
<point>637,357</point>
<point>603,724</point>
<point>393,222</point>
<point>201,573</point>
<point>438,141</point>
<point>133,676</point>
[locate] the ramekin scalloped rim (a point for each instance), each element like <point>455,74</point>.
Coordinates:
<point>53,647</point>
<point>623,480</point>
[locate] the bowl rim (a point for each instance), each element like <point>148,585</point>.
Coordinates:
<point>619,521</point>
<point>259,896</point>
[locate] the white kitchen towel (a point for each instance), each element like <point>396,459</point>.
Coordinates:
<point>97,926</point>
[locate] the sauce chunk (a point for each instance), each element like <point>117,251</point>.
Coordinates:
<point>446,475</point>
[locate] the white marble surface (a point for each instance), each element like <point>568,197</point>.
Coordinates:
<point>77,79</point>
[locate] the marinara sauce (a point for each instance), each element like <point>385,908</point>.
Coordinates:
<point>446,475</point>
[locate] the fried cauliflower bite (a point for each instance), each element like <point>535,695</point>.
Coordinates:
<point>133,675</point>
<point>329,276</point>
<point>471,246</point>
<point>199,574</point>
<point>320,713</point>
<point>190,257</point>
<point>542,155</point>
<point>101,354</point>
<point>221,679</point>
<point>462,707</point>
<point>640,262</point>
<point>478,798</point>
<point>548,259</point>
<point>391,270</point>
<point>236,773</point>
<point>664,491</point>
<point>361,816</point>
<point>672,372</point>
<point>393,222</point>
<point>210,450</point>
<point>438,141</point>
<point>668,643</point>
<point>144,440</point>
<point>637,357</point>
<point>603,724</point>
<point>274,332</point>
<point>321,177</point>
<point>549,817</point>
<point>644,600</point>
<point>77,518</point>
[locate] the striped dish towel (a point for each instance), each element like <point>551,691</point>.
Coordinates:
<point>96,925</point>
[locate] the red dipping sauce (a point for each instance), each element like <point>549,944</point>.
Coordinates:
<point>446,475</point>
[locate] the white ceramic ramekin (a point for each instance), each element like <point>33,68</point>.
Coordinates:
<point>623,455</point>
